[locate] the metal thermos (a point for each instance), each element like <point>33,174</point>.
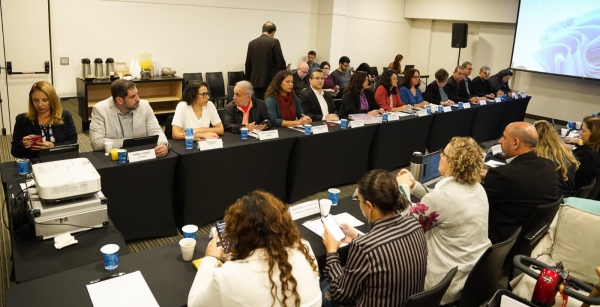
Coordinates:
<point>416,165</point>
<point>110,67</point>
<point>86,68</point>
<point>98,69</point>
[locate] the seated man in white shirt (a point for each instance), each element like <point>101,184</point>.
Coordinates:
<point>316,103</point>
<point>113,119</point>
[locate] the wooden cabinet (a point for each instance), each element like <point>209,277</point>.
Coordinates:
<point>163,94</point>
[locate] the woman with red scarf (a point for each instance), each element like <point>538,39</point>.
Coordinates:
<point>283,105</point>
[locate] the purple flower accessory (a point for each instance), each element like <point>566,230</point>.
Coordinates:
<point>419,212</point>
<point>572,46</point>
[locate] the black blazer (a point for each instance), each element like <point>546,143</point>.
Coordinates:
<point>480,87</point>
<point>514,190</point>
<point>300,84</point>
<point>454,93</point>
<point>263,60</point>
<point>63,134</point>
<point>311,106</point>
<point>351,103</point>
<point>589,167</point>
<point>233,116</point>
<point>432,93</point>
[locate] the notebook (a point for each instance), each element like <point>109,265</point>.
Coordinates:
<point>431,174</point>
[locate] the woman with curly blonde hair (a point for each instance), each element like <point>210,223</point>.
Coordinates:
<point>269,264</point>
<point>551,147</point>
<point>454,215</point>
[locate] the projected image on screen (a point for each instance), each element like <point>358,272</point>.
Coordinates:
<point>558,37</point>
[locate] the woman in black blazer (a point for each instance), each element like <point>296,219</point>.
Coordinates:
<point>358,91</point>
<point>434,93</point>
<point>44,117</point>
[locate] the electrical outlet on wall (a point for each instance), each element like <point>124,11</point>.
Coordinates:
<point>64,61</point>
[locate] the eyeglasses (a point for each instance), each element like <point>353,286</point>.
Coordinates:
<point>442,153</point>
<point>204,94</point>
<point>305,72</point>
<point>355,199</point>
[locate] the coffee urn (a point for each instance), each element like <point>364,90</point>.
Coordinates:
<point>98,69</point>
<point>416,165</point>
<point>86,69</point>
<point>110,67</point>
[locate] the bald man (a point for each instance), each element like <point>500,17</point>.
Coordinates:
<point>526,181</point>
<point>301,77</point>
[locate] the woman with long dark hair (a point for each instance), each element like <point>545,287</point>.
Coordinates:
<point>387,95</point>
<point>410,93</point>
<point>359,98</point>
<point>283,105</point>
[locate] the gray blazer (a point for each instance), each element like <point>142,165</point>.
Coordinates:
<point>105,124</point>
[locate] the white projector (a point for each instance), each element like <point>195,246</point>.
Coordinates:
<point>66,179</point>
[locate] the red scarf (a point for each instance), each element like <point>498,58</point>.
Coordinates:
<point>287,107</point>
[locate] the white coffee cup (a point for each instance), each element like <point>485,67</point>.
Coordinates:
<point>108,146</point>
<point>564,131</point>
<point>578,125</point>
<point>187,248</point>
<point>325,206</point>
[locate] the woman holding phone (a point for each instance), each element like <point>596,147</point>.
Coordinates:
<point>386,265</point>
<point>44,125</point>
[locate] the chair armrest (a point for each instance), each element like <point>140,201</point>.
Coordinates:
<point>536,233</point>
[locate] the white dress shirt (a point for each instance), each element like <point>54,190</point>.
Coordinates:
<point>322,102</point>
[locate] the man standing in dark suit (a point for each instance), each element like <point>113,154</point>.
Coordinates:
<point>317,103</point>
<point>263,60</point>
<point>526,181</point>
<point>456,88</point>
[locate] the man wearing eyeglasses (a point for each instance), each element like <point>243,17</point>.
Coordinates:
<point>125,116</point>
<point>456,88</point>
<point>300,79</point>
<point>245,110</point>
<point>316,103</point>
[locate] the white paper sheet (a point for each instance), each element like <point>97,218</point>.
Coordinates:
<point>129,290</point>
<point>316,226</point>
<point>506,301</point>
<point>348,219</point>
<point>492,163</point>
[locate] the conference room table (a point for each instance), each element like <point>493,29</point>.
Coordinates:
<point>167,275</point>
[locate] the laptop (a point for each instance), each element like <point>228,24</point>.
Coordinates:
<point>141,143</point>
<point>406,67</point>
<point>431,174</point>
<point>61,152</point>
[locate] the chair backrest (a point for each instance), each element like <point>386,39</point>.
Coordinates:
<point>385,68</point>
<point>221,113</point>
<point>431,297</point>
<point>187,77</point>
<point>169,127</point>
<point>234,77</point>
<point>337,103</point>
<point>541,216</point>
<point>584,191</point>
<point>230,93</point>
<point>594,192</point>
<point>482,282</point>
<point>373,71</point>
<point>294,71</point>
<point>216,84</point>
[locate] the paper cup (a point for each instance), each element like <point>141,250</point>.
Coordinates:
<point>578,125</point>
<point>324,205</point>
<point>108,146</point>
<point>307,128</point>
<point>187,248</point>
<point>189,231</point>
<point>114,154</point>
<point>570,125</point>
<point>244,133</point>
<point>23,166</point>
<point>564,131</point>
<point>334,196</point>
<point>110,254</point>
<point>122,155</point>
<point>344,123</point>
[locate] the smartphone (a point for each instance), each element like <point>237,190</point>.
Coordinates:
<point>220,226</point>
<point>333,227</point>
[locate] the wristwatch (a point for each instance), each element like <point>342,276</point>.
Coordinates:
<point>332,254</point>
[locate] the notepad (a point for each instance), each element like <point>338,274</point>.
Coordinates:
<point>129,290</point>
<point>196,263</point>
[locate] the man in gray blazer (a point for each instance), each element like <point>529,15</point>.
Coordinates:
<point>125,116</point>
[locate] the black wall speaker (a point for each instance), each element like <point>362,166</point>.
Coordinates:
<point>459,35</point>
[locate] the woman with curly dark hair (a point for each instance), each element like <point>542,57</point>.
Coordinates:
<point>283,105</point>
<point>269,264</point>
<point>454,215</point>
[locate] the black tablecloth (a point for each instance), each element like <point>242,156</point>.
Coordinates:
<point>394,142</point>
<point>487,121</point>
<point>167,275</point>
<point>514,111</point>
<point>445,126</point>
<point>336,157</point>
<point>139,194</point>
<point>316,242</point>
<point>207,182</point>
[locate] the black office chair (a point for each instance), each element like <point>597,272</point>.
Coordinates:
<point>594,192</point>
<point>230,93</point>
<point>385,68</point>
<point>187,77</point>
<point>584,191</point>
<point>169,127</point>
<point>534,229</point>
<point>221,113</point>
<point>294,71</point>
<point>216,86</point>
<point>482,282</point>
<point>337,103</point>
<point>431,297</point>
<point>234,77</point>
<point>373,71</point>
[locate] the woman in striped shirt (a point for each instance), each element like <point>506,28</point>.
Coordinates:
<point>386,265</point>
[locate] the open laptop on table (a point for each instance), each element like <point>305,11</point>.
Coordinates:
<point>406,67</point>
<point>62,152</point>
<point>431,174</point>
<point>141,143</point>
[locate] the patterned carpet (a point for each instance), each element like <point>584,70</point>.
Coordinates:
<point>134,246</point>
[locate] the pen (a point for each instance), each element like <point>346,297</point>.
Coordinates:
<point>107,277</point>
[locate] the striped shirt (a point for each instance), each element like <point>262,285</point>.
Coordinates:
<point>384,267</point>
